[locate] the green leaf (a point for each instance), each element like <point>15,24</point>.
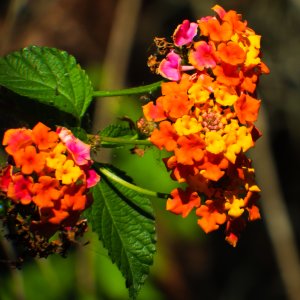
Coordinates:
<point>119,130</point>
<point>80,133</point>
<point>126,229</point>
<point>48,75</point>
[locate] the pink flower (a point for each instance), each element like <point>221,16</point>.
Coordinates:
<point>79,150</point>
<point>64,134</point>
<point>15,139</point>
<point>203,56</point>
<point>19,189</point>
<point>170,66</point>
<point>184,33</point>
<point>92,178</point>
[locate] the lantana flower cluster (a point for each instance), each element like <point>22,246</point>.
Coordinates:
<point>205,118</point>
<point>49,171</point>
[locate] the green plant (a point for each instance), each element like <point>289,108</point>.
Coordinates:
<point>51,188</point>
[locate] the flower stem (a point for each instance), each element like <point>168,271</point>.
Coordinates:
<point>131,186</point>
<point>123,141</point>
<point>131,91</point>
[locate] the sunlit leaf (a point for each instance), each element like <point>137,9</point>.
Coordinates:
<point>48,75</point>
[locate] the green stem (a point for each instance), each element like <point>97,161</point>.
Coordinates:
<point>131,91</point>
<point>122,141</point>
<point>131,186</point>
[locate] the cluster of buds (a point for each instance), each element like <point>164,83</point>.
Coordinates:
<point>206,117</point>
<point>46,179</point>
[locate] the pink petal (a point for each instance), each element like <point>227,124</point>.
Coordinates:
<point>206,19</point>
<point>64,134</point>
<point>154,112</point>
<point>203,56</point>
<point>20,189</point>
<point>220,11</point>
<point>5,178</point>
<point>184,33</point>
<point>15,139</point>
<point>170,67</point>
<point>79,150</point>
<point>92,178</point>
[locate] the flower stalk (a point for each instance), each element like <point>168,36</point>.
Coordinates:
<point>130,91</point>
<point>104,171</point>
<point>124,141</point>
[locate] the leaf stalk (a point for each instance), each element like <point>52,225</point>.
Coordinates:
<point>131,186</point>
<point>130,91</point>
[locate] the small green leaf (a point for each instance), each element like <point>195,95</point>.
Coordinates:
<point>119,130</point>
<point>126,229</point>
<point>48,75</point>
<point>80,133</point>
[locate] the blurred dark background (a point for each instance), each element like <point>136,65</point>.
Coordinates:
<point>112,40</point>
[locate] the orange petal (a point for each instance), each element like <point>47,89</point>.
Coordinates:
<point>231,53</point>
<point>165,136</point>
<point>43,136</point>
<point>247,108</point>
<point>182,202</point>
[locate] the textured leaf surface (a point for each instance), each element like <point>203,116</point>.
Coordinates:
<point>120,130</point>
<point>126,230</point>
<point>48,75</point>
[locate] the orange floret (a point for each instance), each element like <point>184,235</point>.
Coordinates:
<point>180,172</point>
<point>234,20</point>
<point>250,204</point>
<point>227,74</point>
<point>165,136</point>
<point>213,166</point>
<point>183,202</point>
<point>154,112</point>
<point>190,149</point>
<point>46,191</point>
<point>74,199</point>
<point>53,216</point>
<point>212,216</point>
<point>231,53</point>
<point>29,160</point>
<point>249,83</point>
<point>15,139</point>
<point>173,87</point>
<point>214,30</point>
<point>43,137</point>
<point>176,105</point>
<point>247,108</point>
<point>19,189</point>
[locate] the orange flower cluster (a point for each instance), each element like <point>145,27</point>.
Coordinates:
<point>206,118</point>
<point>50,171</point>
